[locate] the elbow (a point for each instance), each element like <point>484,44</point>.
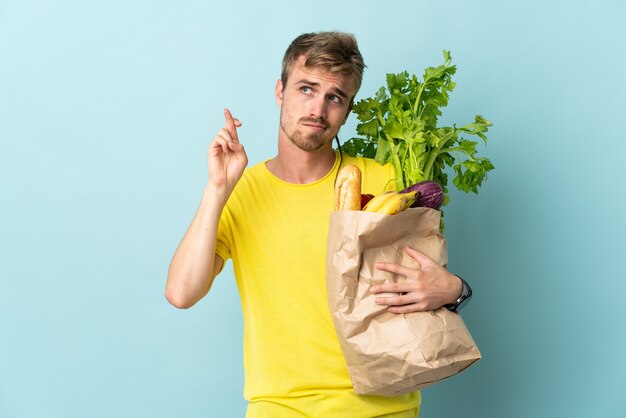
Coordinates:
<point>184,289</point>
<point>178,299</point>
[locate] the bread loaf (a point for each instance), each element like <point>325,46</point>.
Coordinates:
<point>348,188</point>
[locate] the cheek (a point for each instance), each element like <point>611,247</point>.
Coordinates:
<point>286,118</point>
<point>340,117</point>
<point>287,106</point>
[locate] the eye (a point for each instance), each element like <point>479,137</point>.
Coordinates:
<point>335,99</point>
<point>306,89</point>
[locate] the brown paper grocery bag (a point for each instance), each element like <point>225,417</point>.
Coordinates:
<point>390,354</point>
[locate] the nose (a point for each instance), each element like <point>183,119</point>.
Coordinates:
<point>317,107</point>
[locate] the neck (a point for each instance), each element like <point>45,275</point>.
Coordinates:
<point>297,166</point>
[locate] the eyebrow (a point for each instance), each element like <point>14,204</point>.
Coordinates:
<point>315,84</point>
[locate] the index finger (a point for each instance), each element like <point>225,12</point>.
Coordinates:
<point>418,256</point>
<point>394,268</point>
<point>231,124</point>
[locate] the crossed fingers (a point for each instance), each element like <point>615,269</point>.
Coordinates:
<point>227,137</point>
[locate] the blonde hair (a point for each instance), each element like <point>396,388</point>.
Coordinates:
<point>337,52</point>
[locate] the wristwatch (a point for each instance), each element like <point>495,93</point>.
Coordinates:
<point>466,294</point>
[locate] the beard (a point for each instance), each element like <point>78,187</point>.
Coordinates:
<point>308,141</point>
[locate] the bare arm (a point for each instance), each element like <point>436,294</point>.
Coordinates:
<point>195,264</point>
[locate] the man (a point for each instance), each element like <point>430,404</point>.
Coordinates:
<point>272,220</point>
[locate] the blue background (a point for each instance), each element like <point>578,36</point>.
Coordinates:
<point>106,113</point>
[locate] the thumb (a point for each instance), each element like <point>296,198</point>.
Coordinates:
<point>418,256</point>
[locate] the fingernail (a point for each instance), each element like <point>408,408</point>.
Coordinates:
<point>373,289</point>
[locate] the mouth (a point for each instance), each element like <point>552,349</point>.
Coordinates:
<point>314,125</point>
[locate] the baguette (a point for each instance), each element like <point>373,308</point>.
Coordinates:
<point>348,188</point>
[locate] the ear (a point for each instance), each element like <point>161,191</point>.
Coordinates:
<point>278,93</point>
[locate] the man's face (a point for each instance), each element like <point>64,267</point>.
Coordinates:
<point>314,104</point>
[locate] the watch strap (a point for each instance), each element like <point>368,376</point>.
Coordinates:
<point>466,294</point>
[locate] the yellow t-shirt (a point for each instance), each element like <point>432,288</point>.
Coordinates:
<point>275,233</point>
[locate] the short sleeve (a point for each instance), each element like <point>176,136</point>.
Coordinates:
<point>224,235</point>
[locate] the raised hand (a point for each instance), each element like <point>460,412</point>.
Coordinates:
<point>227,157</point>
<point>195,263</point>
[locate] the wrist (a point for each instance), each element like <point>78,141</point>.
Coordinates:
<point>457,289</point>
<point>215,194</point>
<point>463,298</point>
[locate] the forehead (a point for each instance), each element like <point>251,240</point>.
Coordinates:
<point>321,75</point>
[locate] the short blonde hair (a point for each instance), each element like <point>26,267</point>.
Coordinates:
<point>338,52</point>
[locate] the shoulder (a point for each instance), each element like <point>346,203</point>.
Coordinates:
<point>364,163</point>
<point>376,177</point>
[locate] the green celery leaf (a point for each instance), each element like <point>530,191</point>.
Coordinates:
<point>366,109</point>
<point>396,83</point>
<point>354,146</point>
<point>381,94</point>
<point>382,151</point>
<point>466,147</point>
<point>393,130</point>
<point>369,128</point>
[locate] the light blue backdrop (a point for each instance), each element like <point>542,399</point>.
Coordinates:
<point>106,112</point>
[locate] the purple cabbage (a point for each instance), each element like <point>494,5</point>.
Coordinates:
<point>430,194</point>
